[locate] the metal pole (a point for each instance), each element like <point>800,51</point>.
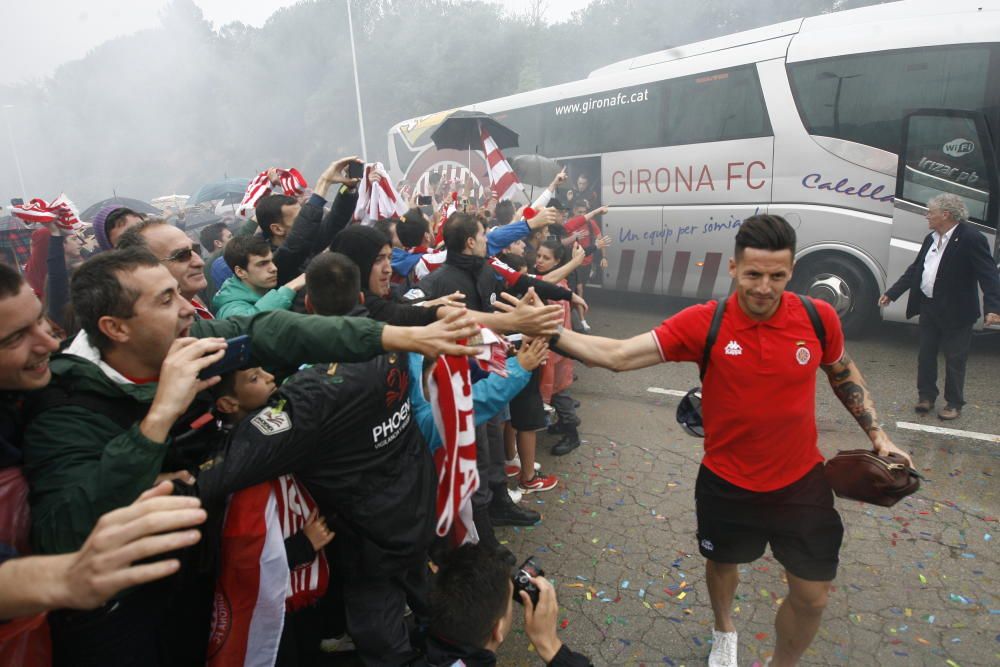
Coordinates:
<point>357,86</point>
<point>13,149</point>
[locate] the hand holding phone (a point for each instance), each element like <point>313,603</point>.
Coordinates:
<point>355,170</point>
<point>237,356</point>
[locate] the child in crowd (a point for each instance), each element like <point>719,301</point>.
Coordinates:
<point>527,417</point>
<point>552,263</point>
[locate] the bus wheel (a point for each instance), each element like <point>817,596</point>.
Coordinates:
<point>845,285</point>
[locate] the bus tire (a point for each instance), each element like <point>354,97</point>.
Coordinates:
<point>843,283</point>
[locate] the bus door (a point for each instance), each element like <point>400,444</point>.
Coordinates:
<point>942,151</point>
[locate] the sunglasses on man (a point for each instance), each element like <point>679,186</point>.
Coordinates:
<point>183,254</point>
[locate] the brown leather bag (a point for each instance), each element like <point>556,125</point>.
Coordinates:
<point>861,474</point>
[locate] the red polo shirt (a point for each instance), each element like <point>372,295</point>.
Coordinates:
<point>759,394</point>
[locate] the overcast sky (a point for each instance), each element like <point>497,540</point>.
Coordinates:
<point>42,34</point>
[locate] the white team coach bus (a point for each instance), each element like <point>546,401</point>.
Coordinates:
<point>846,124</point>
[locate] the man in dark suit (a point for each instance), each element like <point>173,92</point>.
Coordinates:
<point>942,284</point>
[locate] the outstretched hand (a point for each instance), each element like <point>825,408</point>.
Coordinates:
<point>434,339</point>
<point>529,315</point>
<point>533,354</point>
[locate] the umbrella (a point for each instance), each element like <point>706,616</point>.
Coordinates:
<point>136,205</point>
<point>233,188</point>
<point>170,201</point>
<point>460,131</point>
<point>535,169</point>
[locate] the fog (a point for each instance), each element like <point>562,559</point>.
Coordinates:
<point>171,107</point>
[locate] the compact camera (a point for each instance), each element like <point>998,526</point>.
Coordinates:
<point>522,581</point>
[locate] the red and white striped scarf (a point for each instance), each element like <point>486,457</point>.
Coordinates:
<point>255,587</point>
<point>502,178</point>
<point>60,211</point>
<point>429,263</point>
<point>451,401</point>
<point>291,181</point>
<point>380,201</point>
<point>432,261</point>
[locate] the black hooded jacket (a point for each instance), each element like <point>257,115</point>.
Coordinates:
<point>346,432</point>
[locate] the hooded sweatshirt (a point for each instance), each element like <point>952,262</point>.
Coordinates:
<point>235,297</point>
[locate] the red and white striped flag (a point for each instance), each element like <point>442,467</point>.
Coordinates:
<point>255,588</point>
<point>378,200</point>
<point>451,401</point>
<point>60,211</point>
<point>502,177</point>
<point>291,181</point>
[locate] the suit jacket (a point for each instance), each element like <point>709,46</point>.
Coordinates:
<point>966,261</point>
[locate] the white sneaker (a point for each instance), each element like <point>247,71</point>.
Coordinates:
<point>723,649</point>
<point>515,495</point>
<point>584,326</point>
<point>342,644</point>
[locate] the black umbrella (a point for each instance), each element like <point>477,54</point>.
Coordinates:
<point>229,188</point>
<point>461,131</point>
<point>136,205</point>
<point>535,169</point>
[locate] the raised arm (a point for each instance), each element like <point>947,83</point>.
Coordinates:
<point>564,271</point>
<point>849,386</point>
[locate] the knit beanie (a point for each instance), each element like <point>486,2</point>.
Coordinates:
<point>100,220</point>
<point>362,244</point>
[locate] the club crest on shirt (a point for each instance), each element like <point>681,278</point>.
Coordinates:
<point>803,355</point>
<point>270,422</point>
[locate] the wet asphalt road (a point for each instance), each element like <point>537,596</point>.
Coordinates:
<point>919,583</point>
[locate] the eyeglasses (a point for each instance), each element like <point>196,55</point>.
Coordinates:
<point>182,255</point>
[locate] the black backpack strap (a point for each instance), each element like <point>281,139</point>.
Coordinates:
<point>713,333</point>
<point>814,317</point>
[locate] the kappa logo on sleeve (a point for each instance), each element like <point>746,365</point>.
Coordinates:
<point>270,422</point>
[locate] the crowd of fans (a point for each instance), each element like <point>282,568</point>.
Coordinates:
<point>161,492</point>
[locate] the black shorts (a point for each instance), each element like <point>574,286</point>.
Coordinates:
<point>799,521</point>
<point>527,412</point>
<point>583,274</point>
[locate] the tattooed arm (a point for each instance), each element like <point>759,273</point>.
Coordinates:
<point>849,386</point>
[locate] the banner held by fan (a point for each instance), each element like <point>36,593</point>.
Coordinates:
<point>450,393</point>
<point>291,181</point>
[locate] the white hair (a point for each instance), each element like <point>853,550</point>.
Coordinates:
<point>950,204</point>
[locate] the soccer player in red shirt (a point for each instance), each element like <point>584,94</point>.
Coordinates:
<point>761,479</point>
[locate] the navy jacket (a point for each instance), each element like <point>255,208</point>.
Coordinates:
<point>966,260</point>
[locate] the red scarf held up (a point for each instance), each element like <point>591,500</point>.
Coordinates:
<point>291,181</point>
<point>38,211</point>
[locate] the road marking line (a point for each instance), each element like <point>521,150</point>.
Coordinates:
<point>988,437</point>
<point>666,392</point>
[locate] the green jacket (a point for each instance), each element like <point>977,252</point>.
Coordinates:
<point>235,297</point>
<point>81,464</point>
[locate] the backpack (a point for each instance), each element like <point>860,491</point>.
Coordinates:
<point>689,409</point>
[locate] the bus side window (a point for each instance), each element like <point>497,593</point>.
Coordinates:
<point>716,106</point>
<point>863,98</point>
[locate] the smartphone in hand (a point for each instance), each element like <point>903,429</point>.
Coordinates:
<point>355,170</point>
<point>237,357</point>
